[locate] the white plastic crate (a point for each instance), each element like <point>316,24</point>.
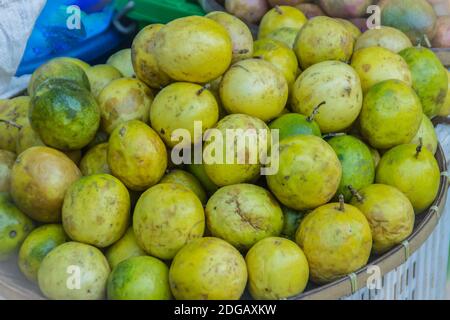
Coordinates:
<point>423,276</point>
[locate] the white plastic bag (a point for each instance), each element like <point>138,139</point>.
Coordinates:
<point>17,18</point>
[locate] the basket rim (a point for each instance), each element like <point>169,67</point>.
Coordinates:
<point>393,258</point>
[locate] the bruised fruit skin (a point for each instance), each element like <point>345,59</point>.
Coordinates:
<point>427,134</point>
<point>16,112</point>
<point>243,214</point>
<point>309,173</point>
<point>94,271</point>
<point>429,78</point>
<point>336,240</point>
<point>65,115</point>
<point>188,180</point>
<point>166,217</point>
<point>208,268</point>
<point>323,38</point>
<point>389,213</point>
<point>248,10</point>
<point>136,155</point>
<point>280,56</point>
<point>241,37</point>
<point>384,126</point>
<point>123,100</point>
<point>277,269</point>
<point>139,278</point>
<point>285,35</point>
<point>405,168</point>
<point>178,106</point>
<point>254,87</point>
<point>121,60</point>
<point>281,17</point>
<point>358,168</point>
<point>124,248</point>
<point>377,64</point>
<point>243,168</point>
<point>7,159</point>
<point>96,210</point>
<point>193,49</point>
<point>334,83</point>
<point>58,68</point>
<point>39,180</point>
<point>14,227</point>
<point>144,58</point>
<point>36,246</point>
<point>415,18</point>
<point>292,124</point>
<point>95,161</point>
<point>345,8</point>
<point>100,76</point>
<point>386,37</point>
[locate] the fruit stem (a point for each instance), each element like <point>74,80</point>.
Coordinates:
<point>332,135</point>
<point>241,51</point>
<point>278,9</point>
<point>315,112</point>
<point>18,126</point>
<point>341,203</point>
<point>419,147</point>
<point>355,193</point>
<point>205,87</point>
<point>427,41</point>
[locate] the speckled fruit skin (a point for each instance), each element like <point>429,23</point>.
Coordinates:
<point>243,214</point>
<point>36,246</point>
<point>223,173</point>
<point>39,180</point>
<point>177,106</point>
<point>389,213</point>
<point>80,63</point>
<point>280,56</point>
<point>386,127</point>
<point>139,278</point>
<point>14,227</point>
<point>345,8</point>
<point>240,34</point>
<point>188,180</point>
<point>358,168</point>
<point>124,248</point>
<point>254,87</point>
<point>65,115</point>
<point>27,138</point>
<point>334,83</point>
<point>177,42</point>
<point>292,124</point>
<point>277,269</point>
<point>96,210</point>
<point>121,60</point>
<point>58,68</point>
<point>429,78</point>
<point>95,161</point>
<point>386,37</point>
<point>144,59</point>
<point>248,10</point>
<point>321,39</point>
<point>335,242</point>
<point>198,170</point>
<point>309,173</point>
<point>137,155</point>
<point>428,135</point>
<point>16,111</point>
<point>7,159</point>
<point>53,277</point>
<point>418,177</point>
<point>123,100</point>
<point>285,35</point>
<point>445,109</point>
<point>100,76</point>
<point>281,17</point>
<point>166,217</point>
<point>208,269</point>
<point>377,64</point>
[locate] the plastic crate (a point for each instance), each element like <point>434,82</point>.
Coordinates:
<point>145,12</point>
